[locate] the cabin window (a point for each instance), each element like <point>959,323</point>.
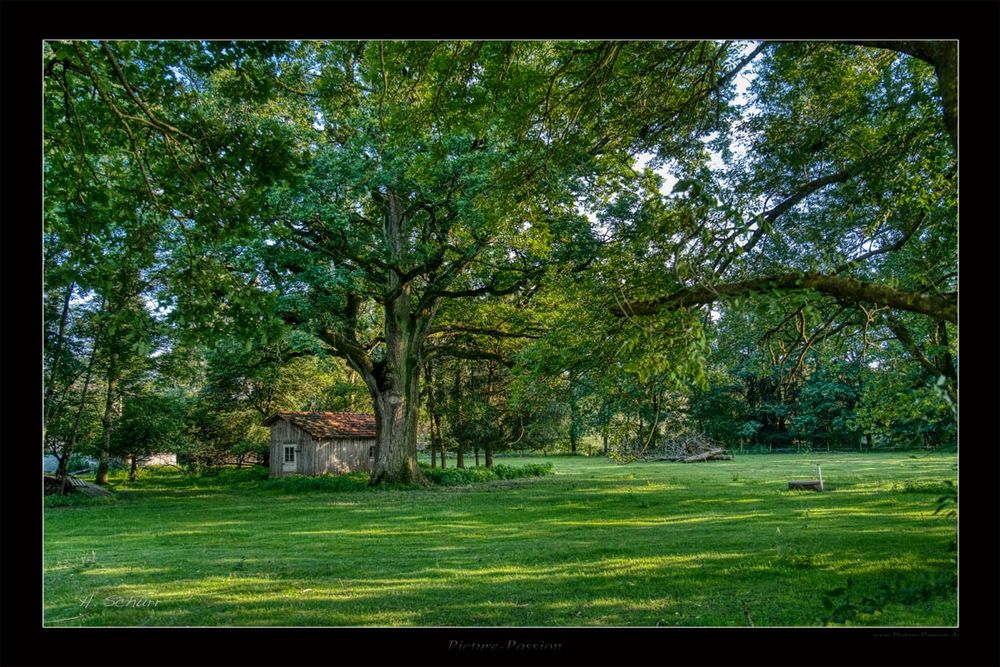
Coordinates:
<point>290,454</point>
<point>371,452</point>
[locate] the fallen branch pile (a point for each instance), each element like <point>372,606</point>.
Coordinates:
<point>688,448</point>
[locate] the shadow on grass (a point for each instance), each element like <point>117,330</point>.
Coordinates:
<point>678,547</point>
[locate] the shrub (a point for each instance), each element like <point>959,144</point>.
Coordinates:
<point>233,476</point>
<point>354,481</point>
<point>461,476</point>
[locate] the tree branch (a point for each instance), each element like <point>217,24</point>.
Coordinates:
<point>765,220</point>
<point>902,334</point>
<point>884,249</point>
<point>943,57</point>
<point>495,333</point>
<point>456,352</point>
<point>942,307</point>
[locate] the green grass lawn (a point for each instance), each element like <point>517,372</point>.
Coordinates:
<point>709,544</point>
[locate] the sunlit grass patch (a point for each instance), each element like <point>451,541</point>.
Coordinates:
<point>593,544</point>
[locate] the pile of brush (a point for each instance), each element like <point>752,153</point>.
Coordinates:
<point>688,448</point>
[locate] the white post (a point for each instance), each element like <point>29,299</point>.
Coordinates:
<point>820,477</point>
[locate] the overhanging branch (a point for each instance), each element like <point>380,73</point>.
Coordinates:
<point>494,333</point>
<point>941,307</point>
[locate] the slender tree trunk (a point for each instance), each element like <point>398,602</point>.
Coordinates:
<point>475,449</point>
<point>429,380</point>
<point>944,362</point>
<point>50,386</point>
<point>868,439</point>
<point>573,418</point>
<point>444,450</point>
<point>457,397</point>
<point>604,439</point>
<point>109,401</point>
<point>133,467</point>
<point>350,397</point>
<point>71,443</point>
<point>488,447</point>
<point>640,434</point>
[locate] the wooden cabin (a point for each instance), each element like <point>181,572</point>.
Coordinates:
<point>313,443</point>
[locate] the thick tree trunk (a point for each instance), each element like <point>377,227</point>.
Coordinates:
<point>393,379</point>
<point>133,468</point>
<point>394,384</point>
<point>109,400</point>
<point>459,459</point>
<point>396,415</point>
<point>489,455</point>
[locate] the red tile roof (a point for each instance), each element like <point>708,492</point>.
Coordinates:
<point>323,425</point>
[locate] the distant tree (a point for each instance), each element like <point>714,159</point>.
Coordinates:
<point>151,423</point>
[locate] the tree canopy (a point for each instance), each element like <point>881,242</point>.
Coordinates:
<point>497,215</point>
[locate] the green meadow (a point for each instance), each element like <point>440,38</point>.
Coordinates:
<point>645,544</point>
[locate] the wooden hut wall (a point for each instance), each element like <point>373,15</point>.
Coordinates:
<point>283,433</point>
<point>341,455</point>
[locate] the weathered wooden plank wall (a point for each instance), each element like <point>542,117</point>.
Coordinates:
<point>338,455</point>
<point>283,433</point>
<point>342,455</point>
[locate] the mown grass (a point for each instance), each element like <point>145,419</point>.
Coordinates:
<point>713,544</point>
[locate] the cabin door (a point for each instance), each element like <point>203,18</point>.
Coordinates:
<point>289,459</point>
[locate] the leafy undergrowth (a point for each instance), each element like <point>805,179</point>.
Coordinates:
<point>78,500</point>
<point>596,543</point>
<point>463,476</point>
<point>256,479</point>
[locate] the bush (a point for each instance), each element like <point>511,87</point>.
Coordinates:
<point>462,476</point>
<point>81,462</point>
<point>354,481</point>
<point>231,476</point>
